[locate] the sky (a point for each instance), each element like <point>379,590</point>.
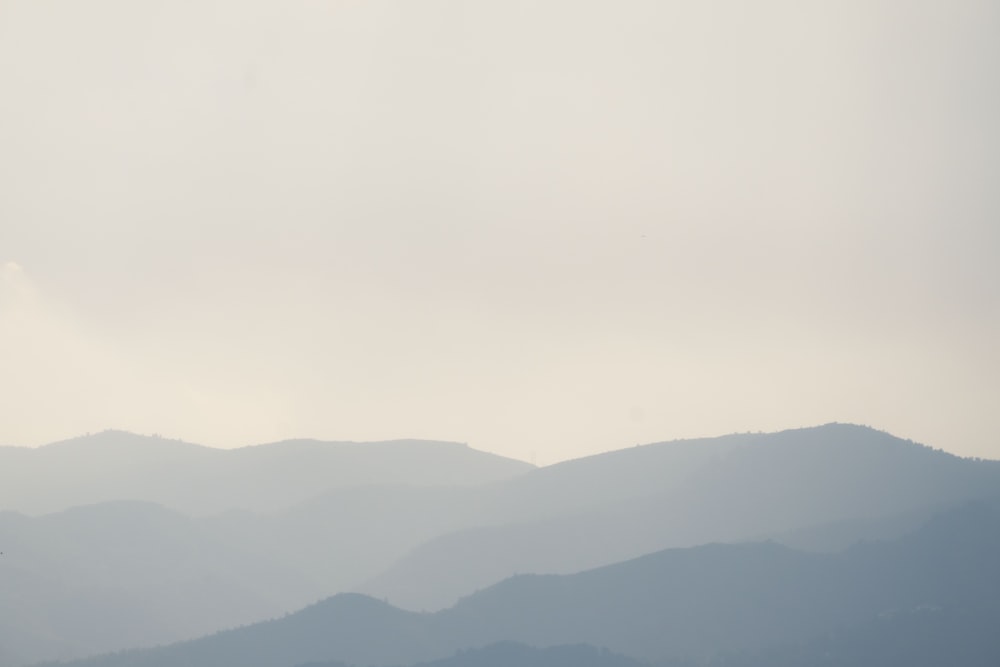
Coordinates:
<point>546,228</point>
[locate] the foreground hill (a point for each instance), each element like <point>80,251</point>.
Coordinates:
<point>735,488</point>
<point>510,654</point>
<point>697,604</point>
<point>115,465</point>
<point>922,636</point>
<point>502,654</point>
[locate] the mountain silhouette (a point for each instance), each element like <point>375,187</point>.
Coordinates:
<point>197,480</point>
<point>139,574</point>
<point>506,654</point>
<point>733,488</point>
<point>680,604</point>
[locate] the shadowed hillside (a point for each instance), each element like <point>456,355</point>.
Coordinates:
<point>138,574</point>
<point>734,488</point>
<point>696,603</point>
<point>125,572</point>
<point>509,654</point>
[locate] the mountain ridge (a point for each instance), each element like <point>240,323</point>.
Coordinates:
<point>200,480</point>
<point>731,488</point>
<point>691,603</point>
<point>428,545</point>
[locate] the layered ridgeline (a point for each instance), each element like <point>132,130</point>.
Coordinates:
<point>198,480</point>
<point>915,596</point>
<point>819,488</point>
<point>128,572</point>
<point>304,519</point>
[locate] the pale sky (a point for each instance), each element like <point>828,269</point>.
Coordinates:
<point>547,228</point>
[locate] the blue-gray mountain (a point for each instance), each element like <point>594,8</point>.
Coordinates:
<point>840,481</point>
<point>513,654</point>
<point>711,603</point>
<point>127,572</point>
<point>124,574</point>
<point>197,480</point>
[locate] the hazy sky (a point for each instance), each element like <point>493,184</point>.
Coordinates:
<point>545,228</point>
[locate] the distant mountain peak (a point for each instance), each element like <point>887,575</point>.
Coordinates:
<point>118,437</point>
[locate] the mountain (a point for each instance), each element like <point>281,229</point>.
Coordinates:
<point>118,575</point>
<point>507,654</point>
<point>922,636</point>
<point>676,494</point>
<point>502,654</point>
<point>700,601</point>
<point>126,572</point>
<point>198,480</point>
<point>137,569</point>
<point>698,604</point>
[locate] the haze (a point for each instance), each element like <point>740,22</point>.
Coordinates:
<point>544,228</point>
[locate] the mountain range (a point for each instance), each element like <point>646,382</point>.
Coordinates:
<point>699,604</point>
<point>198,480</point>
<point>114,554</point>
